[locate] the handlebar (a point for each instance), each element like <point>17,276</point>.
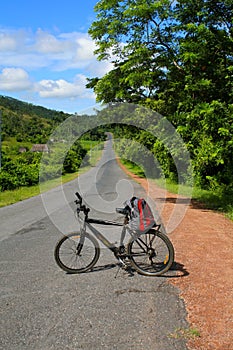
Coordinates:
<point>80,206</point>
<point>123,211</point>
<point>79,198</point>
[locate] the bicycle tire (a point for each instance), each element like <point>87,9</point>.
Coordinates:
<point>151,253</point>
<point>76,253</point>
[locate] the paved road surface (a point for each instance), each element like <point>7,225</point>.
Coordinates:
<point>44,308</point>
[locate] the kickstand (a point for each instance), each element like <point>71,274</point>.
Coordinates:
<point>117,271</point>
<point>121,264</point>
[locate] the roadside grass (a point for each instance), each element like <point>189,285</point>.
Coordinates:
<point>214,200</point>
<point>21,193</point>
<point>134,168</point>
<point>186,333</point>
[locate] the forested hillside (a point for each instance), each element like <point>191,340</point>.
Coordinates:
<point>23,126</point>
<point>27,122</point>
<point>176,58</point>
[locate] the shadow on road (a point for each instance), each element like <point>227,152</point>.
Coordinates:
<point>176,271</point>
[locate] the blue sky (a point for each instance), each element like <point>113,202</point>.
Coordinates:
<point>46,53</point>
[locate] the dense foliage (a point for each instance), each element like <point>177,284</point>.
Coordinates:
<point>24,125</point>
<point>175,57</point>
<point>21,171</point>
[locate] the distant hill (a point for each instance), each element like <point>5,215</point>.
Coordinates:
<point>25,121</point>
<point>28,108</point>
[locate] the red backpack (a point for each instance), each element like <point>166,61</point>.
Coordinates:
<point>141,217</point>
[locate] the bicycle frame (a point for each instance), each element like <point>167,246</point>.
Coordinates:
<point>86,223</point>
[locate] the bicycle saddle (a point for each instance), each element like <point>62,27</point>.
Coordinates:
<point>122,211</point>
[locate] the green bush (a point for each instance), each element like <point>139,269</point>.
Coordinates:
<point>27,169</point>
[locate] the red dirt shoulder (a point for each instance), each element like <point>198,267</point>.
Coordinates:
<point>203,243</point>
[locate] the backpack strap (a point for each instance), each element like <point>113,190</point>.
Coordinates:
<point>141,216</point>
<point>132,201</point>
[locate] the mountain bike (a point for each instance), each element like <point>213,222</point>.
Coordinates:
<point>150,253</point>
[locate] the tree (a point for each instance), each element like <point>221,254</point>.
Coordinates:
<point>74,158</point>
<point>164,50</point>
<point>139,36</point>
<point>175,57</point>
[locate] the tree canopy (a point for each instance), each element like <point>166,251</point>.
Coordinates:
<point>164,50</point>
<point>176,57</point>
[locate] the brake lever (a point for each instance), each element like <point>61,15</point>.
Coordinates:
<point>78,195</point>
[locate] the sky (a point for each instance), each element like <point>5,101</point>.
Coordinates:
<point>46,54</point>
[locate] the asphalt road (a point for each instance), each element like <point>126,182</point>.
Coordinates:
<point>44,308</point>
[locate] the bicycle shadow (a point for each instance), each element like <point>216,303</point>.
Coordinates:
<point>128,270</point>
<point>102,267</point>
<point>177,270</point>
<point>96,269</point>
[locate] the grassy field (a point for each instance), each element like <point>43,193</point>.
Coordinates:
<point>10,197</point>
<point>210,199</point>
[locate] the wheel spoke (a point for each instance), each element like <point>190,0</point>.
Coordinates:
<point>152,253</point>
<point>76,253</point>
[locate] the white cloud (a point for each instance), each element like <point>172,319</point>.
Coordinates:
<point>85,49</point>
<point>13,40</point>
<point>80,52</point>
<point>29,59</point>
<point>47,43</point>
<point>98,69</point>
<point>64,89</point>
<point>58,52</point>
<point>14,79</point>
<point>7,42</point>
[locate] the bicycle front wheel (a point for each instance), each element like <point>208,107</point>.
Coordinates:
<point>151,253</point>
<point>76,253</point>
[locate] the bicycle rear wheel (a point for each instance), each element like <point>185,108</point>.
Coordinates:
<point>151,253</point>
<point>76,253</point>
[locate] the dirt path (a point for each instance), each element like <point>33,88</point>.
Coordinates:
<point>203,245</point>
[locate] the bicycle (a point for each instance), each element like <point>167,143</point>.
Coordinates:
<point>150,253</point>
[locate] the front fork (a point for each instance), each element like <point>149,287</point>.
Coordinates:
<point>82,238</point>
